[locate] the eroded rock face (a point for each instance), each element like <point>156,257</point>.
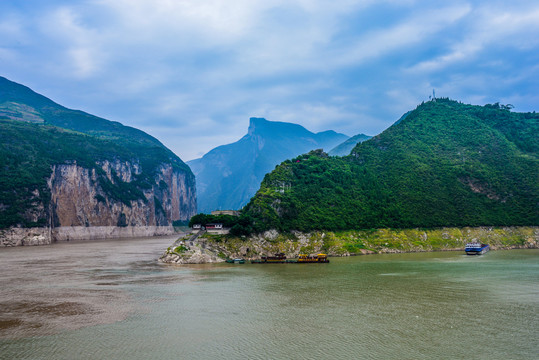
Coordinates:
<point>24,237</point>
<point>87,204</point>
<point>78,199</point>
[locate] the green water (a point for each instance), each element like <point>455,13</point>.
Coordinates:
<point>97,300</point>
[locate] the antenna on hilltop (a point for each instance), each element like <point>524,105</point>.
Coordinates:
<point>433,94</point>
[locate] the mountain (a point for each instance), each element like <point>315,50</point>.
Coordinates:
<point>347,146</point>
<point>78,175</point>
<point>444,164</point>
<point>229,175</point>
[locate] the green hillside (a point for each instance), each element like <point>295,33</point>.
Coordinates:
<point>37,133</point>
<point>445,164</point>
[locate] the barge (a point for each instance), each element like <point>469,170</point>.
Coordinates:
<point>280,258</point>
<point>308,259</point>
<point>476,248</point>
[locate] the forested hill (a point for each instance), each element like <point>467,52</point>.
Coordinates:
<point>62,167</point>
<point>445,164</point>
<point>19,102</point>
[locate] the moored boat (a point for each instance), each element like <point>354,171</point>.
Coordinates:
<point>235,261</point>
<point>279,258</point>
<point>308,259</point>
<point>476,248</point>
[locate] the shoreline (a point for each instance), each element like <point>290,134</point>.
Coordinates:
<point>13,237</point>
<point>352,243</point>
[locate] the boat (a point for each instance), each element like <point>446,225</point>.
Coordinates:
<point>235,261</point>
<point>476,248</point>
<point>279,258</point>
<point>308,259</point>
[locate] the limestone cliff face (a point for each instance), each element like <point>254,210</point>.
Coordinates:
<point>78,197</point>
<point>106,201</point>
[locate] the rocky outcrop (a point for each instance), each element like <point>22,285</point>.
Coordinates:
<point>106,202</point>
<point>25,236</point>
<point>46,235</point>
<point>67,233</point>
<point>192,251</point>
<point>360,242</point>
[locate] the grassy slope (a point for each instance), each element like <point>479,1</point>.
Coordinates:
<point>14,96</point>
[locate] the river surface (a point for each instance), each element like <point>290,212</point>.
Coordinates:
<point>113,300</point>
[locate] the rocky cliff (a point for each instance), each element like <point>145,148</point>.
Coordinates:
<point>80,208</point>
<point>78,200</point>
<point>72,175</point>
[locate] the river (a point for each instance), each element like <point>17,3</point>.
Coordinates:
<point>113,300</point>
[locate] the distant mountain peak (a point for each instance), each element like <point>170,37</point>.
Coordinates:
<point>256,123</point>
<point>229,175</point>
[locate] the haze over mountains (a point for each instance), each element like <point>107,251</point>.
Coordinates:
<point>347,146</point>
<point>229,175</point>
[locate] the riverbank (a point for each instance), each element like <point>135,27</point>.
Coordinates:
<point>359,242</point>
<point>45,236</point>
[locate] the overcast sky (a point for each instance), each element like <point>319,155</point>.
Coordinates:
<point>192,72</point>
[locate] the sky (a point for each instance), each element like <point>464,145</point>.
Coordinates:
<point>192,72</point>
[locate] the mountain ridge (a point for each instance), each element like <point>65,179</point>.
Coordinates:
<point>228,175</point>
<point>344,148</point>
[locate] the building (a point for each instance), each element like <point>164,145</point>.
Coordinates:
<point>226,212</point>
<point>213,228</point>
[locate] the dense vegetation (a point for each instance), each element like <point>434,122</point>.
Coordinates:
<point>444,164</point>
<point>51,134</point>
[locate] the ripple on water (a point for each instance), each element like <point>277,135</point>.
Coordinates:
<point>413,306</point>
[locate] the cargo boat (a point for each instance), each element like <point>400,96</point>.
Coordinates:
<point>307,259</point>
<point>476,249</point>
<point>279,258</point>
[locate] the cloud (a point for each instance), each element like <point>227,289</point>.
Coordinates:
<point>415,29</point>
<point>489,29</point>
<point>192,72</point>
